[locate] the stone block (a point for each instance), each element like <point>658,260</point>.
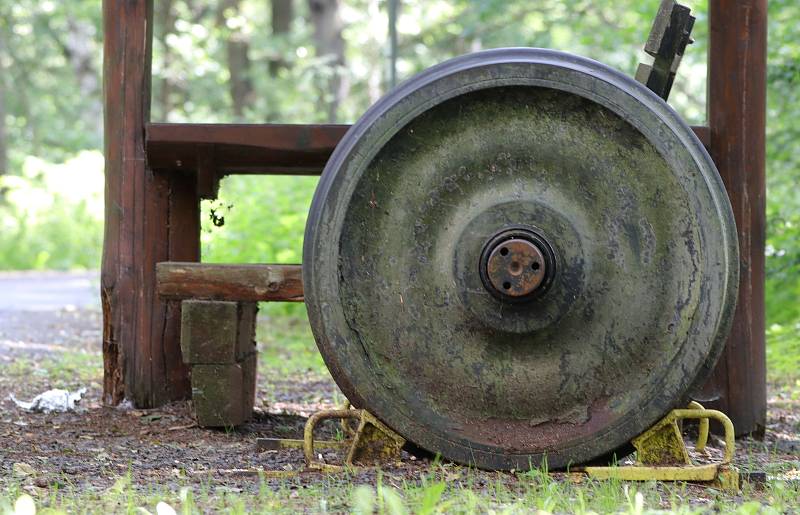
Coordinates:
<point>217,395</point>
<point>217,332</point>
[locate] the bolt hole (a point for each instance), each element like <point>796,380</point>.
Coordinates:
<point>535,265</point>
<point>507,285</point>
<point>504,251</point>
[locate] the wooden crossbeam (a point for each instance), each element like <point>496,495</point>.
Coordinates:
<point>241,148</point>
<point>215,150</point>
<point>250,283</point>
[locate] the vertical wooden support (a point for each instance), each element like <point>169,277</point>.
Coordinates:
<point>149,218</point>
<point>737,120</point>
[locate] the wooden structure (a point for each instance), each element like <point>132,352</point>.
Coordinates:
<point>156,175</point>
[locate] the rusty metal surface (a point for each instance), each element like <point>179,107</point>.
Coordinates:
<point>516,268</point>
<point>600,167</point>
<point>517,265</point>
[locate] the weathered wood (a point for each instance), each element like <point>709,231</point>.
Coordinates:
<point>737,118</point>
<point>126,72</point>
<point>243,148</point>
<point>703,134</point>
<point>256,283</point>
<point>145,223</point>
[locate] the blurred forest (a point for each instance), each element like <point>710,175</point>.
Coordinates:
<point>314,61</point>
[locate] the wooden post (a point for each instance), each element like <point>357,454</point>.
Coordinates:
<point>149,217</point>
<point>737,120</point>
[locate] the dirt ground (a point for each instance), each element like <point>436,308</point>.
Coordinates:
<point>93,448</point>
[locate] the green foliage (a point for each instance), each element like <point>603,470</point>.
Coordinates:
<point>50,65</point>
<point>258,220</point>
<point>51,216</point>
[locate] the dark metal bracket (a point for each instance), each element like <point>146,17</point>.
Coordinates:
<point>667,42</point>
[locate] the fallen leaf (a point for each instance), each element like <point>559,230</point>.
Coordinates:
<point>23,470</point>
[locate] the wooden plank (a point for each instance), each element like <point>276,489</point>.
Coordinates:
<point>703,134</point>
<point>184,245</point>
<point>254,283</point>
<point>737,120</point>
<point>243,148</point>
<point>145,224</point>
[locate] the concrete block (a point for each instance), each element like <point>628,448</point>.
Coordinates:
<point>217,395</point>
<point>217,332</point>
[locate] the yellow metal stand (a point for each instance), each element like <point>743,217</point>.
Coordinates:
<point>661,452</point>
<point>370,444</point>
<point>662,455</point>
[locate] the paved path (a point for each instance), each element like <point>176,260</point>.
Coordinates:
<point>49,291</point>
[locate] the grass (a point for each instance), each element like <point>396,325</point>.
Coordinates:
<point>437,492</point>
<point>287,348</point>
<point>63,371</point>
<point>783,353</point>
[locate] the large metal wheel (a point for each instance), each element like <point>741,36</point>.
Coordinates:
<point>520,254</point>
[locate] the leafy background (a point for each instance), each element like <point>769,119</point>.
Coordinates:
<point>319,61</point>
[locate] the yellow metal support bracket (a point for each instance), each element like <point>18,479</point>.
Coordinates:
<point>373,443</point>
<point>662,455</point>
<point>370,443</point>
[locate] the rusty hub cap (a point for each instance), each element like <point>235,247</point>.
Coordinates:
<point>517,265</point>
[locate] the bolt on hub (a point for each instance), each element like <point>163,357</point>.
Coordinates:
<point>517,265</point>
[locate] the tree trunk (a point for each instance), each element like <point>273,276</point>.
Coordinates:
<point>79,49</point>
<point>282,16</point>
<point>237,48</point>
<point>330,45</point>
<point>3,140</point>
<point>164,26</point>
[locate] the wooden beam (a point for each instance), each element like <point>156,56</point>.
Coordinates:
<point>243,148</point>
<point>737,120</point>
<point>704,135</point>
<point>223,149</point>
<point>144,223</point>
<point>252,283</point>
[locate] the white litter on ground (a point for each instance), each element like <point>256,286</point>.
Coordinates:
<point>59,401</point>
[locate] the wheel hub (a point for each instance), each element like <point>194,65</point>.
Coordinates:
<point>517,265</point>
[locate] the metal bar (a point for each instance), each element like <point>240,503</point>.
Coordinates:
<point>277,444</point>
<point>671,32</point>
<point>737,121</point>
